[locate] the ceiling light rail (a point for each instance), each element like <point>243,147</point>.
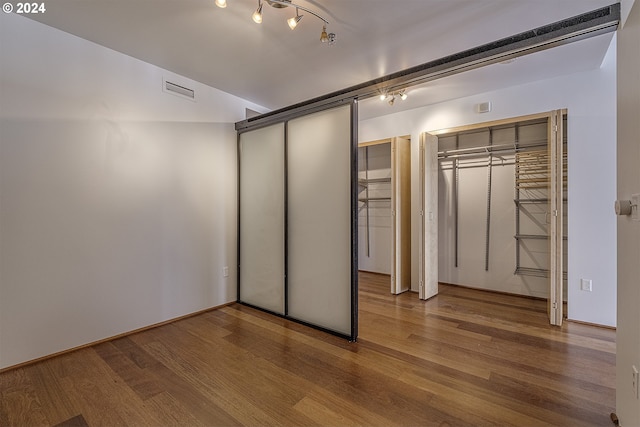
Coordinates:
<point>579,27</point>
<point>293,22</point>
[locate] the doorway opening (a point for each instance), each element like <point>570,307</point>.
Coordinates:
<point>384,210</point>
<point>495,198</point>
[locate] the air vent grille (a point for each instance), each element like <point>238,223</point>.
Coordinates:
<point>179,90</point>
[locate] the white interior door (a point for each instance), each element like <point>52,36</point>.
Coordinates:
<point>400,215</point>
<point>628,189</point>
<point>262,201</point>
<point>319,151</point>
<point>556,229</point>
<point>428,248</point>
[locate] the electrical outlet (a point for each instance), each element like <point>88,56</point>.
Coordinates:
<point>586,285</point>
<point>225,271</point>
<point>634,380</point>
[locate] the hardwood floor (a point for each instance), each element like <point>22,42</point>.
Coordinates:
<point>463,358</point>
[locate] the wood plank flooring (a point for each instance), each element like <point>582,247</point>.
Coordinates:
<point>463,358</point>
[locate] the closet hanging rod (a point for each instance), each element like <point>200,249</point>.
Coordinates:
<point>485,150</point>
<point>542,142</point>
<point>475,155</point>
<point>496,154</point>
<point>478,165</point>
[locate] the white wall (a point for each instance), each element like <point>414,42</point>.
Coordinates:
<point>117,201</point>
<point>628,333</point>
<point>472,214</point>
<point>590,99</point>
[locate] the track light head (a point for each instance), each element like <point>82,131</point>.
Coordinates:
<point>293,22</point>
<point>390,97</point>
<point>257,15</point>
<point>323,35</point>
<point>221,3</point>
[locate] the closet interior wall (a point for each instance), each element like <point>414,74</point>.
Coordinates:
<point>493,230</point>
<point>374,208</point>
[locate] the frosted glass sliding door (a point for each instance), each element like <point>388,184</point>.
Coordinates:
<point>319,219</point>
<point>297,243</point>
<point>262,218</point>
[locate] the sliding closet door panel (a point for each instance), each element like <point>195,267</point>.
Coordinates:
<point>262,225</point>
<point>319,217</point>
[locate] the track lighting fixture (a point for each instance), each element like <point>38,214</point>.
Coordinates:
<point>390,97</point>
<point>328,38</point>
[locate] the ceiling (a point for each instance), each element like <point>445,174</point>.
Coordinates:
<point>273,66</point>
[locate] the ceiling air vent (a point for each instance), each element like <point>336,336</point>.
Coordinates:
<point>179,90</point>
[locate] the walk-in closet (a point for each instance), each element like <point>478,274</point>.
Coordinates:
<point>501,206</point>
<point>384,210</point>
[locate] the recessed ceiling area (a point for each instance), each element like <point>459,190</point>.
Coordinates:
<point>273,66</point>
